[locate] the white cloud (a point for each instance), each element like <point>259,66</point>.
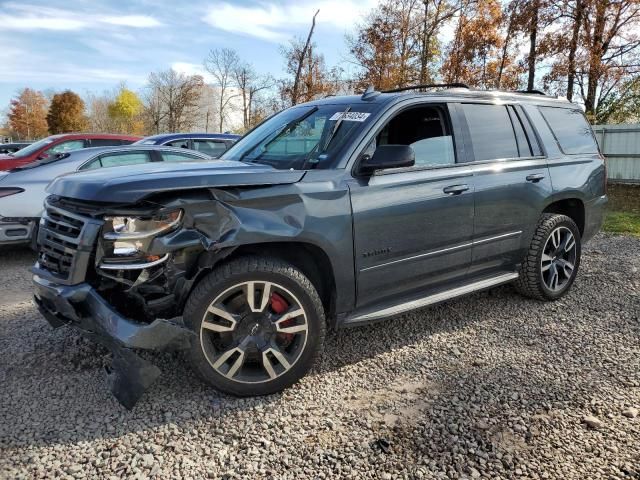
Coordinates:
<point>27,17</point>
<point>275,22</point>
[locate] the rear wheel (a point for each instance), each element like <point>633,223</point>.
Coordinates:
<point>550,267</point>
<point>259,324</point>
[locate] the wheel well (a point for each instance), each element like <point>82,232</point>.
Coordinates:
<point>309,259</point>
<point>572,208</point>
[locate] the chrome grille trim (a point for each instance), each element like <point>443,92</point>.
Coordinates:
<point>66,241</point>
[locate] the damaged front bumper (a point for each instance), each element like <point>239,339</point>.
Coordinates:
<point>82,307</point>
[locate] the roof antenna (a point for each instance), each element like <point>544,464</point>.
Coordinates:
<point>370,93</point>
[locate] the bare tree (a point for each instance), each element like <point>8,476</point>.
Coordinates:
<point>172,102</point>
<point>221,64</point>
<point>250,84</point>
<point>301,59</point>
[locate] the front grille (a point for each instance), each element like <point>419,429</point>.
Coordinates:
<point>66,241</point>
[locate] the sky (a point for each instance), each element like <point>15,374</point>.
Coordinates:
<point>92,46</point>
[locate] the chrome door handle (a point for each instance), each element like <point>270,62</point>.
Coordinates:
<point>535,177</point>
<point>455,189</point>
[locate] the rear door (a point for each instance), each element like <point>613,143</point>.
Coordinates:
<point>512,184</point>
<point>413,226</point>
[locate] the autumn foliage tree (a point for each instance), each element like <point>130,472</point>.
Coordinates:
<point>477,56</point>
<point>315,79</point>
<point>66,113</point>
<point>28,115</point>
<point>125,111</point>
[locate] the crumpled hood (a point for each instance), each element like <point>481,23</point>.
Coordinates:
<point>129,184</point>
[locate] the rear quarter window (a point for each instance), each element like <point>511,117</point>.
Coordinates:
<point>571,130</point>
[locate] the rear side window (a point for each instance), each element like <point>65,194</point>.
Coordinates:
<point>105,142</point>
<point>179,157</point>
<point>210,147</point>
<point>491,130</point>
<point>571,130</point>
<point>118,159</point>
<point>180,143</point>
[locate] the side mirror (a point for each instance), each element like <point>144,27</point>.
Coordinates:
<point>389,156</point>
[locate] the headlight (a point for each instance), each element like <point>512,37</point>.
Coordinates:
<point>135,228</point>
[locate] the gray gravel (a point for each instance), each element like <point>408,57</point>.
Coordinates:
<point>492,385</point>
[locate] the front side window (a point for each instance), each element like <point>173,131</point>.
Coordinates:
<point>571,130</point>
<point>302,137</point>
<point>424,129</point>
<point>491,130</point>
<point>68,146</point>
<point>210,147</point>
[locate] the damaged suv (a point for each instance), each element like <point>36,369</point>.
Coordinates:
<point>333,213</point>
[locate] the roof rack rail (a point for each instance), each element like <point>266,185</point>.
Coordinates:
<point>428,85</point>
<point>532,92</point>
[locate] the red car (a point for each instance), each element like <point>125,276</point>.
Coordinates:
<point>66,142</point>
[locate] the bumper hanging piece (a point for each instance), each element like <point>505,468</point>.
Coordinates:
<point>129,375</point>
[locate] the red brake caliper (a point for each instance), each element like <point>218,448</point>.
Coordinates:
<point>279,305</point>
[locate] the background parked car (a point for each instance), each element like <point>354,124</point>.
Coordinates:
<point>213,144</point>
<point>22,190</point>
<point>12,147</point>
<point>66,142</point>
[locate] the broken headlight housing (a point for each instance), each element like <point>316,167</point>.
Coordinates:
<point>131,236</point>
<point>136,228</point>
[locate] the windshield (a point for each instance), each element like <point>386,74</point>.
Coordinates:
<point>34,147</point>
<point>301,137</point>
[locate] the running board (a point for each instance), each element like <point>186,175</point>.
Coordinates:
<point>364,318</point>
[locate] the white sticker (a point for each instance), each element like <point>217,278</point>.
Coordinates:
<point>350,116</point>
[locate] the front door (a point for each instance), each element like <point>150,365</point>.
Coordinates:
<point>413,227</point>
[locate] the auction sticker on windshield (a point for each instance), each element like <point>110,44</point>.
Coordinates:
<point>350,116</point>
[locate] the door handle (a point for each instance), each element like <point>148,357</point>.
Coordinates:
<point>535,177</point>
<point>455,189</point>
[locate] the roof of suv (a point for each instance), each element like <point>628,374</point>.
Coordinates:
<point>450,94</point>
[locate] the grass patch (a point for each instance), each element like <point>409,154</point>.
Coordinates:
<point>627,223</point>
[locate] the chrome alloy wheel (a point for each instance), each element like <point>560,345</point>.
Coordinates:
<point>254,332</point>
<point>558,259</point>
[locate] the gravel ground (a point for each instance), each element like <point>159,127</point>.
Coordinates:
<point>492,385</point>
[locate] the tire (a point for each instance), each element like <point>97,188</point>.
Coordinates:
<point>257,338</point>
<point>536,279</point>
<point>33,241</point>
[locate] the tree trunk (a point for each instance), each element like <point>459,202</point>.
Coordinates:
<point>505,46</point>
<point>533,34</point>
<point>595,57</point>
<point>573,47</point>
<point>296,81</point>
<point>426,41</point>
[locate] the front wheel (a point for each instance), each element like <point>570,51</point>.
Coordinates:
<point>259,324</point>
<point>551,264</point>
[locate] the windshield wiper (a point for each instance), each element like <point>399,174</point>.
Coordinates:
<point>334,130</point>
<point>286,128</point>
<point>314,161</point>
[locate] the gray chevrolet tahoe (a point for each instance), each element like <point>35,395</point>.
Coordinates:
<point>333,213</point>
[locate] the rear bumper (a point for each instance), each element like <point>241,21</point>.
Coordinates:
<point>594,217</point>
<point>14,232</point>
<point>81,307</point>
